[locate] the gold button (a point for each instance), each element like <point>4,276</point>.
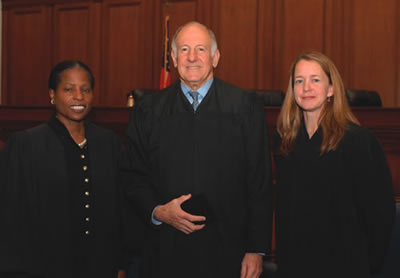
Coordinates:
<point>87,232</point>
<point>87,219</point>
<point>87,206</point>
<point>87,193</point>
<point>82,156</point>
<point>84,168</point>
<point>86,180</point>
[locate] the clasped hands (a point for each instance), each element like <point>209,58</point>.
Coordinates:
<point>172,214</point>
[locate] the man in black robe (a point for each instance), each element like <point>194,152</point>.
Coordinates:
<point>200,169</point>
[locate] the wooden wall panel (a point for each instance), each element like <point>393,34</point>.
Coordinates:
<point>208,12</point>
<point>397,34</point>
<point>374,35</point>
<point>26,42</point>
<point>337,35</point>
<point>265,44</point>
<point>300,28</point>
<point>94,59</point>
<point>180,12</point>
<point>121,40</point>
<point>237,40</point>
<point>72,29</point>
<point>76,37</point>
<point>4,56</point>
<point>122,48</point>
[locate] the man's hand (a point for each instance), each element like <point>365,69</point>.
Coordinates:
<point>171,213</point>
<point>251,266</point>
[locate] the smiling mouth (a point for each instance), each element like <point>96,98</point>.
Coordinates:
<point>78,108</point>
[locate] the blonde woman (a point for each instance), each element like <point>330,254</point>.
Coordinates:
<point>335,203</point>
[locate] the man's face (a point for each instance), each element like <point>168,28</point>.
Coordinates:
<point>193,56</point>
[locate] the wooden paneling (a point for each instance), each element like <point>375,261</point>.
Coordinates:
<point>121,40</point>
<point>237,39</point>
<point>76,36</point>
<point>301,29</point>
<point>180,12</point>
<point>266,45</point>
<point>121,50</point>
<point>26,46</point>
<point>337,37</point>
<point>72,29</point>
<point>374,47</point>
<point>397,90</point>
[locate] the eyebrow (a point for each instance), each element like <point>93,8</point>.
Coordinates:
<point>197,45</point>
<point>301,76</point>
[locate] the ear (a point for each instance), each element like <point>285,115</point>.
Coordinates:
<point>215,59</point>
<point>174,59</point>
<point>330,91</point>
<point>51,94</point>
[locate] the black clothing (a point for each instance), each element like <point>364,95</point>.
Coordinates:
<point>334,212</point>
<point>218,153</point>
<point>60,203</point>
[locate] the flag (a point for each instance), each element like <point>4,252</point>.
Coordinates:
<point>165,76</point>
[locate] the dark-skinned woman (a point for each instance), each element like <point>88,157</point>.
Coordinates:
<point>59,193</point>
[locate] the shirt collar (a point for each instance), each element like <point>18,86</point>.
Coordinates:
<point>203,90</point>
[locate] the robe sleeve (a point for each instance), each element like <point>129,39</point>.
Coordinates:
<point>137,172</point>
<point>259,181</point>
<point>373,194</point>
<point>17,210</point>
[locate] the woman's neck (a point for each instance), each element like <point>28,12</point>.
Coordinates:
<point>75,128</point>
<point>311,121</point>
<point>77,133</point>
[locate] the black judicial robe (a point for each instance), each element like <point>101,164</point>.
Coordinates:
<point>219,152</point>
<point>335,212</point>
<point>36,236</point>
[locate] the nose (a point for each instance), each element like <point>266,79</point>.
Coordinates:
<point>192,55</point>
<point>306,86</point>
<point>78,94</point>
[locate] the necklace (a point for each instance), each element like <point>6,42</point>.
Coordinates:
<point>82,144</point>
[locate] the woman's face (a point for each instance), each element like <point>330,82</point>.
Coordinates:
<point>73,97</point>
<point>311,86</point>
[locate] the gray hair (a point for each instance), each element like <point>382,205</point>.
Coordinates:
<point>214,45</point>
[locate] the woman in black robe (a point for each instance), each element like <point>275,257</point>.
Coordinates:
<point>59,189</point>
<point>335,205</point>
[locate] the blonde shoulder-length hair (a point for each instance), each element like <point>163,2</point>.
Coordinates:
<point>335,115</point>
